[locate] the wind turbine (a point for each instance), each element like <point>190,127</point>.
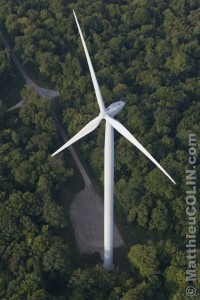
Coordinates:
<point>107,114</point>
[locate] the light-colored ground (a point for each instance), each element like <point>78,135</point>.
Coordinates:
<point>86,210</point>
<point>86,213</point>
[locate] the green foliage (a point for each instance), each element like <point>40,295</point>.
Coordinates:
<point>147,51</point>
<point>175,274</point>
<point>4,61</point>
<point>32,251</point>
<point>159,218</point>
<point>91,284</point>
<point>140,292</point>
<point>144,257</point>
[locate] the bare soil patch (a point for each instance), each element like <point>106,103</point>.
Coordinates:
<point>87,217</point>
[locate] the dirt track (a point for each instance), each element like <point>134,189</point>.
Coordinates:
<point>42,92</point>
<point>86,210</point>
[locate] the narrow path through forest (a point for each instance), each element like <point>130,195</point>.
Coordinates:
<point>86,210</point>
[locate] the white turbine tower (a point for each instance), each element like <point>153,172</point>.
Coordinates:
<point>111,123</point>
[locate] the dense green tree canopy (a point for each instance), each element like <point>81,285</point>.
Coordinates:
<point>147,51</point>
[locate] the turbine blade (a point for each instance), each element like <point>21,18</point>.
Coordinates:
<point>92,73</point>
<point>84,131</point>
<point>121,129</point>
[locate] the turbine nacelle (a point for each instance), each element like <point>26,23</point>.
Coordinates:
<point>114,108</point>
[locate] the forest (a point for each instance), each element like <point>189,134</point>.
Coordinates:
<point>146,51</point>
